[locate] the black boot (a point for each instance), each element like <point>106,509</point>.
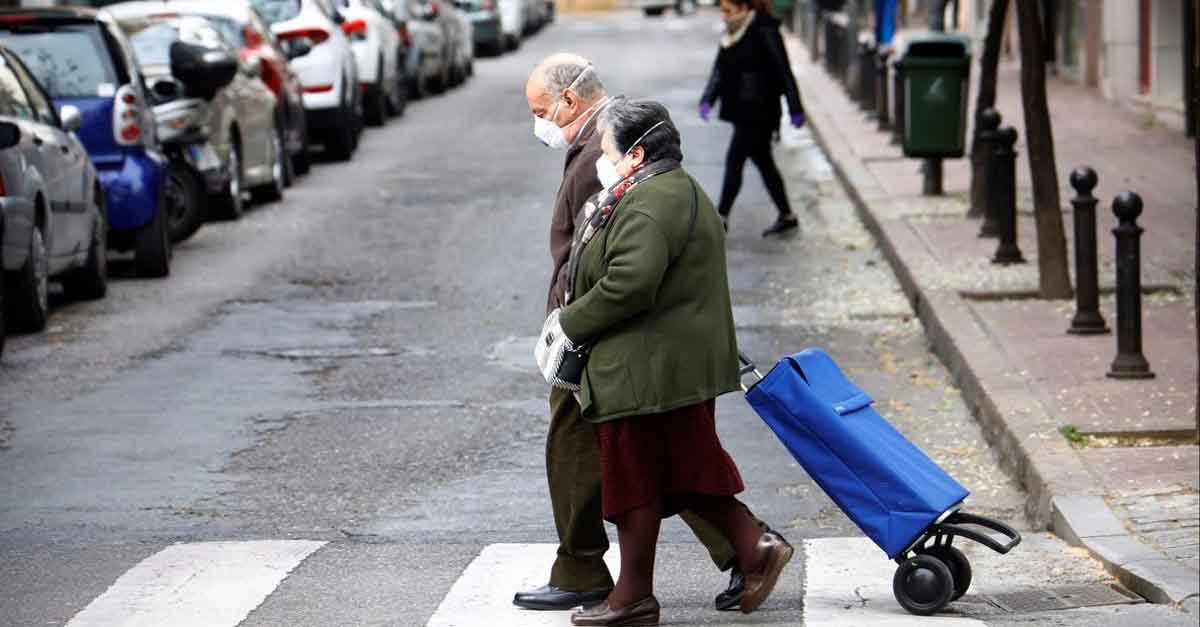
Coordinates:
<point>783,224</point>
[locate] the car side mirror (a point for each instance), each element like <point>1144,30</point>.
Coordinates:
<point>10,135</point>
<point>71,118</point>
<point>202,69</point>
<point>297,47</point>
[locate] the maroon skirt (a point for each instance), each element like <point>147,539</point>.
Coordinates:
<point>660,457</point>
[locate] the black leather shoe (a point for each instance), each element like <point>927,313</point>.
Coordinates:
<point>729,598</point>
<point>783,224</point>
<point>556,599</point>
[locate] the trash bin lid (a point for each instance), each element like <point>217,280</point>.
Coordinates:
<point>937,45</point>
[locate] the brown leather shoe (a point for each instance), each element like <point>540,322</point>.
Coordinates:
<point>775,554</point>
<point>644,613</point>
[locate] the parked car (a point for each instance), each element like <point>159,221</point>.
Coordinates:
<point>51,200</point>
<point>377,49</point>
<point>462,63</point>
<point>427,60</point>
<point>512,22</point>
<point>655,8</point>
<point>484,16</point>
<point>241,25</point>
<point>322,58</point>
<point>83,59</point>
<point>233,110</point>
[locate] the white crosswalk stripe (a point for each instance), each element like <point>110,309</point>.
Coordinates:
<point>848,581</point>
<point>206,584</point>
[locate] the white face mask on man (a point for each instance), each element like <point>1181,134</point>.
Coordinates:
<point>547,130</point>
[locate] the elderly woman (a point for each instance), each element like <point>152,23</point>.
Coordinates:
<point>650,296</point>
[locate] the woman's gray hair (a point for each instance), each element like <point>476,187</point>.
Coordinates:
<point>630,120</point>
<point>560,76</point>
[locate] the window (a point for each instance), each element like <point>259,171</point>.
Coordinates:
<point>68,61</point>
<point>13,101</point>
<point>41,106</point>
<point>277,10</point>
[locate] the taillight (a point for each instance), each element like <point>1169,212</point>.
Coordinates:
<point>127,117</point>
<point>254,38</point>
<point>487,5</point>
<point>355,29</point>
<point>3,189</point>
<point>405,37</point>
<point>316,35</point>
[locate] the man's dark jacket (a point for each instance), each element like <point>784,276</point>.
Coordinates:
<point>579,183</point>
<point>749,76</point>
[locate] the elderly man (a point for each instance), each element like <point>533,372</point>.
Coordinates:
<point>565,95</point>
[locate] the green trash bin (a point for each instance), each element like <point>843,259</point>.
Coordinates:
<point>937,74</point>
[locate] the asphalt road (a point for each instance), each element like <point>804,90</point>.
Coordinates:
<point>352,366</point>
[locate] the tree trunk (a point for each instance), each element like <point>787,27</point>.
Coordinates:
<point>1054,280</point>
<point>986,100</point>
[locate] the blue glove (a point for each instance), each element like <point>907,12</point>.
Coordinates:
<point>705,111</point>
<point>798,120</point>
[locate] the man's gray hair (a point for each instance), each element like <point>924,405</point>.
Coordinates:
<point>559,77</point>
<point>629,121</point>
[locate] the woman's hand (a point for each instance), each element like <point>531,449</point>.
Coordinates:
<point>705,111</point>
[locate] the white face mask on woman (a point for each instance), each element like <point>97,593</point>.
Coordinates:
<point>546,130</point>
<point>606,170</point>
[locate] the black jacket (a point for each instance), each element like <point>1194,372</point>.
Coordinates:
<point>749,77</point>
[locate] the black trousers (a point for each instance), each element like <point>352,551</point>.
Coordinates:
<point>754,143</point>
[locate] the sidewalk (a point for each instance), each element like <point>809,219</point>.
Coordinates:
<point>1128,490</point>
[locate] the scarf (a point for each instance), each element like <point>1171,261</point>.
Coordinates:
<point>736,28</point>
<point>598,210</point>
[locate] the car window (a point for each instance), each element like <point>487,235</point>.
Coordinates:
<point>70,61</point>
<point>152,39</point>
<point>42,108</point>
<point>277,10</point>
<point>13,101</point>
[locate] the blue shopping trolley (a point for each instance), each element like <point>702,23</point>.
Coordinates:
<point>899,497</point>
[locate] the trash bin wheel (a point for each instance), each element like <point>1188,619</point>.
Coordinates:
<point>959,565</point>
<point>923,585</point>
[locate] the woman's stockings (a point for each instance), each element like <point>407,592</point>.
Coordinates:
<point>637,531</point>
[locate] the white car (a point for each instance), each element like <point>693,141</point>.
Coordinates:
<point>310,32</point>
<point>512,22</point>
<point>427,59</point>
<point>376,44</point>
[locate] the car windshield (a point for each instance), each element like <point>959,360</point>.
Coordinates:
<point>277,10</point>
<point>69,61</point>
<point>152,37</point>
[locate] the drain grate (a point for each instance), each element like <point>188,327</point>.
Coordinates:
<point>1060,598</point>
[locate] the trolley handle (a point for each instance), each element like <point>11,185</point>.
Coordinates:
<point>952,527</point>
<point>747,366</point>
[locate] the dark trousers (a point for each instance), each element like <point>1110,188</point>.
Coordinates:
<point>754,143</point>
<point>573,468</point>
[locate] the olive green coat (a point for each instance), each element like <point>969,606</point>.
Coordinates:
<point>657,313</point>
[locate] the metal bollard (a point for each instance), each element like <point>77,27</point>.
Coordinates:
<point>881,92</point>
<point>989,140</point>
<point>1130,363</point>
<point>830,47</point>
<point>1004,179</point>
<point>898,96</point>
<point>1087,319</point>
<point>866,77</point>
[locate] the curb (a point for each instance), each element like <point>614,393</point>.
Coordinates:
<point>1023,433</point>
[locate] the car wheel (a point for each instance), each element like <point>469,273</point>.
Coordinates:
<point>376,107</point>
<point>184,202</point>
<point>229,203</point>
<point>284,156</point>
<point>29,291</point>
<point>273,191</point>
<point>301,161</point>
<point>398,101</point>
<point>91,281</point>
<point>152,249</point>
<point>655,11</point>
<point>512,42</point>
<point>340,142</point>
<point>418,86</point>
<point>3,322</point>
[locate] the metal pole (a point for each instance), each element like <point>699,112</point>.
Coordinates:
<point>1004,177</point>
<point>1130,363</point>
<point>989,140</point>
<point>1087,320</point>
<point>881,92</point>
<point>866,78</point>
<point>898,95</point>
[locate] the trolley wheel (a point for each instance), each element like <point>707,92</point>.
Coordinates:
<point>923,585</point>
<point>960,567</point>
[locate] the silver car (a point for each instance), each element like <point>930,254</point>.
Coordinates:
<point>51,205</point>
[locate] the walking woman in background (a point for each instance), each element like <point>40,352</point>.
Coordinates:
<point>749,76</point>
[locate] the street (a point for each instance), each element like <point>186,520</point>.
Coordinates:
<point>330,414</point>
